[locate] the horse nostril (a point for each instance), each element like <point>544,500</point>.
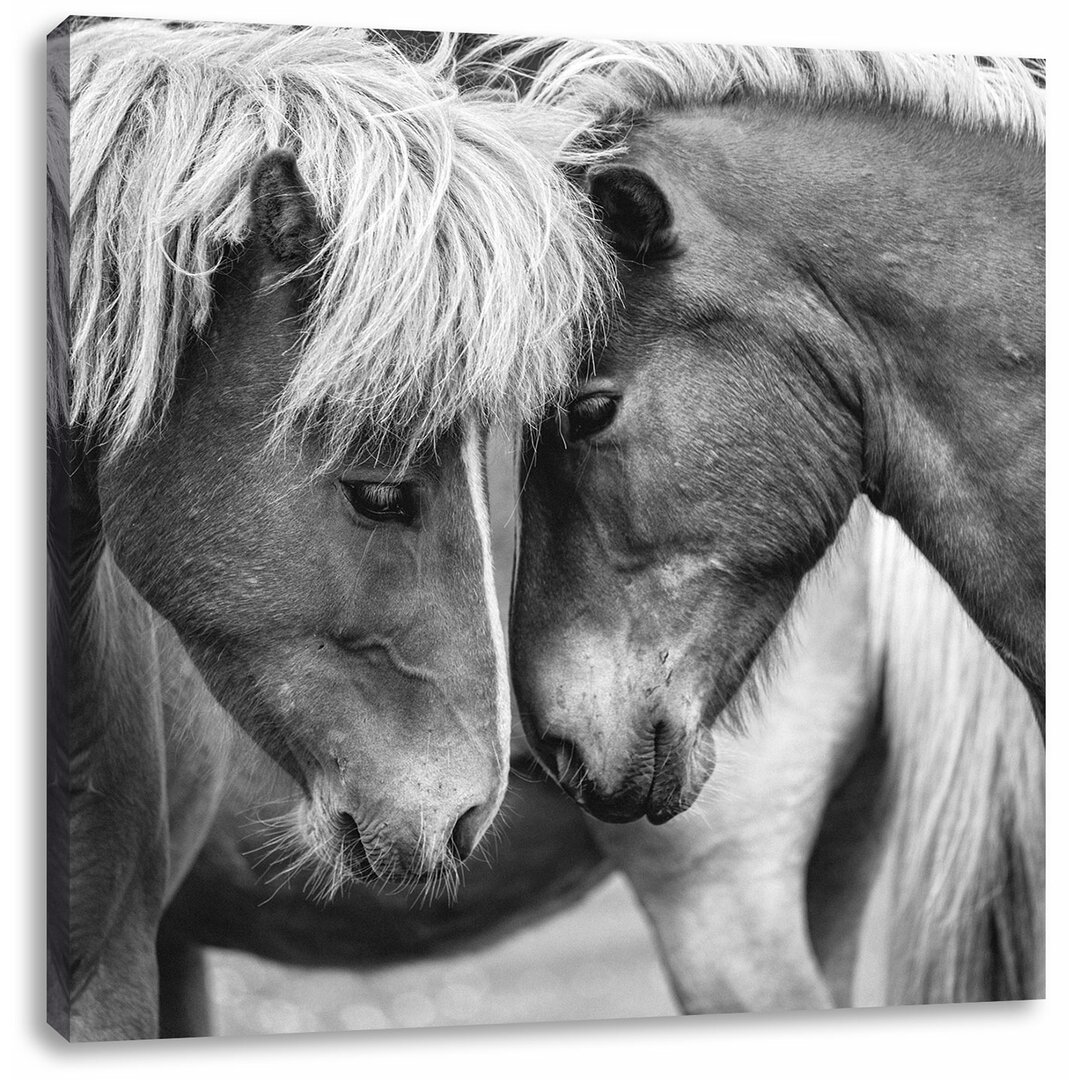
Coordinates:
<point>466,833</point>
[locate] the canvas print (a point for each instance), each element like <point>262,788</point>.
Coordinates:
<point>538,529</point>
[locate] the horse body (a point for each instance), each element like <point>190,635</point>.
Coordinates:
<point>287,334</point>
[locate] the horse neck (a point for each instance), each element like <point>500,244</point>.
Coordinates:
<point>940,277</point>
<point>102,641</point>
<point>972,502</point>
<point>74,547</point>
<point>75,537</point>
<point>123,690</point>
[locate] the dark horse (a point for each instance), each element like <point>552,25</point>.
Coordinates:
<point>832,283</point>
<point>304,275</point>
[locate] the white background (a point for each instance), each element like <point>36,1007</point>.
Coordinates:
<point>1029,1040</point>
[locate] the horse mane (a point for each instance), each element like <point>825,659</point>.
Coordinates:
<point>58,254</point>
<point>459,273</point>
<point>611,84</point>
<point>966,790</point>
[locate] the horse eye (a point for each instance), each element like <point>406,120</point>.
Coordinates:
<point>588,415</point>
<point>380,502</point>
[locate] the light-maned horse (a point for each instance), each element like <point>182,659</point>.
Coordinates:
<point>293,277</point>
<point>831,270</point>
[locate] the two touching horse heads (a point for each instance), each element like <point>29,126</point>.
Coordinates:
<point>305,276</point>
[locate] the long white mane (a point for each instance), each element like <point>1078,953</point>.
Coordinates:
<point>58,253</point>
<point>602,80</point>
<point>459,269</point>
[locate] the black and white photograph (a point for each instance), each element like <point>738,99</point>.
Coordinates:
<point>539,529</point>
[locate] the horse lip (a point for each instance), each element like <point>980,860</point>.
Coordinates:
<point>354,851</point>
<point>671,807</point>
<point>359,864</point>
<point>660,811</point>
<point>627,804</point>
<point>361,869</point>
<point>673,797</point>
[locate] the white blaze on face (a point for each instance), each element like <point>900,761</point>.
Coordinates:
<point>472,452</point>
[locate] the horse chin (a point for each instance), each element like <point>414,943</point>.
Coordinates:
<point>329,845</point>
<point>682,765</point>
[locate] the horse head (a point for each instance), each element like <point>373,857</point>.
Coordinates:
<point>665,520</point>
<point>300,298</point>
<point>346,618</point>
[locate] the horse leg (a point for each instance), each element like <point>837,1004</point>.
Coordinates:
<point>110,781</point>
<point>198,759</point>
<point>184,1000</point>
<point>118,870</point>
<point>728,921</point>
<point>115,909</point>
<point>118,998</point>
<point>723,885</point>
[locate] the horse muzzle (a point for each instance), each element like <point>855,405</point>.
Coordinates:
<point>384,860</point>
<point>368,836</point>
<point>661,778</point>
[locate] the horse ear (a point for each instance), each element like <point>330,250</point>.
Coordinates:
<point>283,208</point>
<point>635,211</point>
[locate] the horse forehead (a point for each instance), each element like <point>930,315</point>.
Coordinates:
<point>686,137</point>
<point>760,165</point>
<point>684,157</point>
<point>723,193</point>
<point>752,131</point>
<point>710,146</point>
<point>456,465</point>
